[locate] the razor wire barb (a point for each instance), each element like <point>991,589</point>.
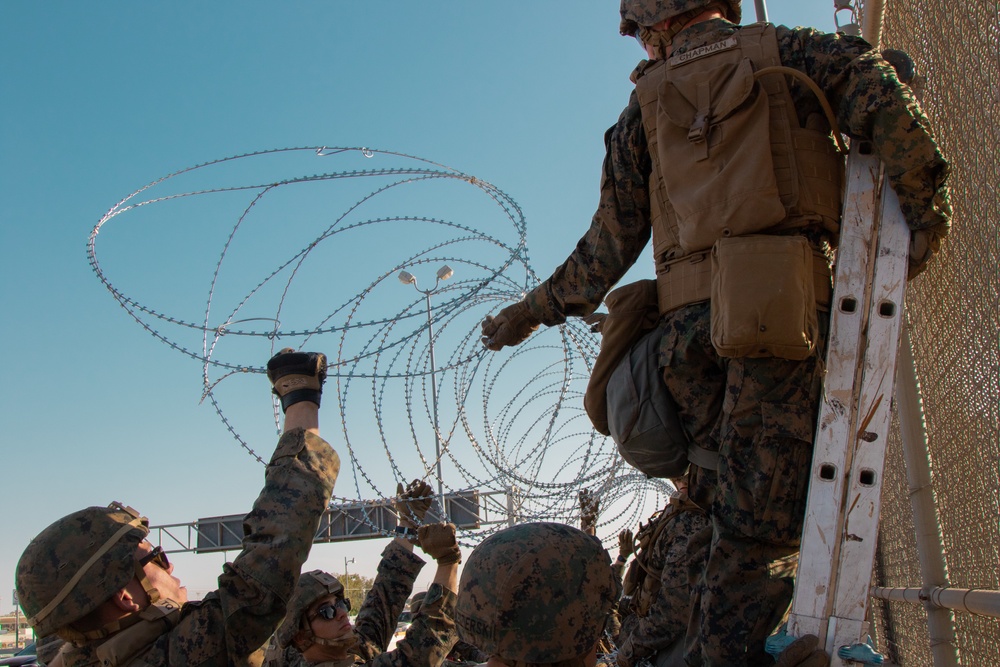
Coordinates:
<point>514,419</point>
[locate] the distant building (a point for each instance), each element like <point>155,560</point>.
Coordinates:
<point>23,634</point>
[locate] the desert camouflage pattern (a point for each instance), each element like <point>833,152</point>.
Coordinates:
<point>613,625</point>
<point>677,556</point>
<point>757,413</point>
<point>429,638</point>
<point>47,648</point>
<point>232,623</point>
<point>311,587</point>
<point>869,101</point>
<point>416,601</point>
<point>647,13</point>
<point>536,593</point>
<point>377,618</point>
<point>57,554</point>
<point>464,653</point>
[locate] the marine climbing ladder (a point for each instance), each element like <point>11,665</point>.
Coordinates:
<point>841,527</point>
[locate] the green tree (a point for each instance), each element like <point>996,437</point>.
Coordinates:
<point>356,587</point>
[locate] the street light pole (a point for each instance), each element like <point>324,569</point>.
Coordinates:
<point>346,580</point>
<point>407,278</point>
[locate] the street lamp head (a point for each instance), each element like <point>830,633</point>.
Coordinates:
<point>445,272</point>
<point>407,278</point>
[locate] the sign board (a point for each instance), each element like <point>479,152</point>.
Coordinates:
<point>340,523</point>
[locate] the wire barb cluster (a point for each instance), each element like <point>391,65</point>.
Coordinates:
<point>510,422</point>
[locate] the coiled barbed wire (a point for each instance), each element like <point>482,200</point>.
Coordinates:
<point>509,422</point>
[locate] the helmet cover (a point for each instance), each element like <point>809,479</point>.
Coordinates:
<point>78,563</point>
<point>648,13</point>
<point>536,593</point>
<point>311,587</point>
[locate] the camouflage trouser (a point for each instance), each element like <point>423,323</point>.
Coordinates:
<point>677,559</point>
<point>759,414</point>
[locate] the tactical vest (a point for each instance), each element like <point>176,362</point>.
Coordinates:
<point>130,646</point>
<point>729,156</point>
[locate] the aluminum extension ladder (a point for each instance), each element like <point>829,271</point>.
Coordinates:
<point>832,597</point>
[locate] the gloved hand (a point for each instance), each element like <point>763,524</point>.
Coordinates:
<point>626,544</point>
<point>412,503</point>
<point>924,243</point>
<point>804,652</point>
<point>297,376</point>
<point>596,322</point>
<point>589,507</point>
<point>438,541</point>
<point>511,326</point>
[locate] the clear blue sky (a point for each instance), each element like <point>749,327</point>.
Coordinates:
<point>99,99</point>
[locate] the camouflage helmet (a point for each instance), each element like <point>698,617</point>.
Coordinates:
<point>311,587</point>
<point>78,563</point>
<point>647,13</point>
<point>536,593</point>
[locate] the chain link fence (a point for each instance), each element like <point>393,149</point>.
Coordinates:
<point>953,316</point>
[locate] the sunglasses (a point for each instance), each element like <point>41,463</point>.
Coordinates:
<point>330,609</point>
<point>158,557</point>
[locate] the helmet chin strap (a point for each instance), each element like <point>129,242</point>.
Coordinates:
<point>307,638</point>
<point>345,643</point>
<point>151,592</point>
<point>111,628</point>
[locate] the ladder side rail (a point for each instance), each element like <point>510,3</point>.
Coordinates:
<point>812,600</point>
<point>849,621</point>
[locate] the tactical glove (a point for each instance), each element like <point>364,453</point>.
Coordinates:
<point>511,326</point>
<point>438,541</point>
<point>596,322</point>
<point>412,503</point>
<point>297,376</point>
<point>589,506</point>
<point>803,652</point>
<point>924,243</point>
<point>626,544</point>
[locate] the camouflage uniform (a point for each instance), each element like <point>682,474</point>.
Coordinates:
<point>230,624</point>
<point>47,648</point>
<point>428,639</point>
<point>464,654</point>
<point>613,626</point>
<point>677,557</point>
<point>758,413</point>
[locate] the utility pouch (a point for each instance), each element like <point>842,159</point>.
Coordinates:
<point>764,297</point>
<point>715,145</point>
<point>632,312</point>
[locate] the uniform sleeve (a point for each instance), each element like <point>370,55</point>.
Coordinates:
<point>277,535</point>
<point>682,548</point>
<point>872,104</point>
<point>618,231</point>
<point>380,611</point>
<point>466,652</point>
<point>431,635</point>
<point>614,622</point>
